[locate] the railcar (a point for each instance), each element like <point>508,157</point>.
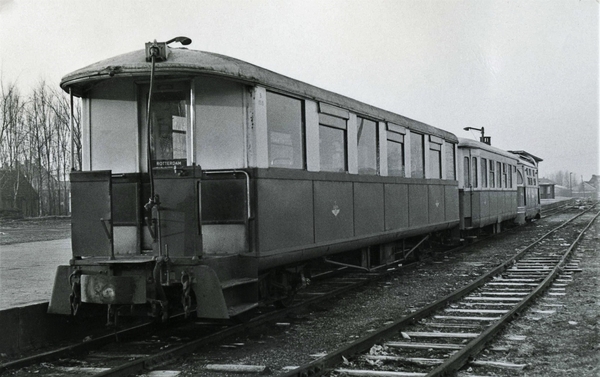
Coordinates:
<point>208,183</point>
<point>488,186</point>
<point>528,186</point>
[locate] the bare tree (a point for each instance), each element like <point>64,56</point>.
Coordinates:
<point>36,148</point>
<point>12,140</point>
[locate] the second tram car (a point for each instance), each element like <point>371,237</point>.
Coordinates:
<point>488,188</point>
<point>528,186</point>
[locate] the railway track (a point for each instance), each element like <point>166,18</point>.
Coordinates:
<point>442,337</point>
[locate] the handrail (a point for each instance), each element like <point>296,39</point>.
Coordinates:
<point>235,171</point>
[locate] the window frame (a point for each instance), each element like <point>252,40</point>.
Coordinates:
<point>360,118</point>
<point>302,132</point>
<point>335,118</point>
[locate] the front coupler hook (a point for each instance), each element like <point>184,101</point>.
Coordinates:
<point>75,296</point>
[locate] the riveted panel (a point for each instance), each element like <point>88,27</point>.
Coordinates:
<point>368,208</point>
<point>334,213</point>
<point>396,206</point>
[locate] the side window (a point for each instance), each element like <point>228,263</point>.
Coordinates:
<point>395,153</point>
<point>510,178</point>
<point>285,128</point>
<point>435,157</point>
<point>492,175</point>
<point>367,146</point>
<point>474,169</point>
<point>450,159</point>
<point>484,172</point>
<point>333,138</point>
<point>466,173</point>
<point>504,176</point>
<point>499,174</point>
<point>417,156</point>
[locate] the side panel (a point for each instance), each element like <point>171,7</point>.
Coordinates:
<point>436,204</point>
<point>285,213</point>
<point>476,208</point>
<point>396,206</point>
<point>302,215</point>
<point>495,203</point>
<point>418,206</point>
<point>465,209</point>
<point>334,214</point>
<point>451,203</point>
<point>368,208</point>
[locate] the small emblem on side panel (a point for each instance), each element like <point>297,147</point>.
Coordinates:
<point>335,210</point>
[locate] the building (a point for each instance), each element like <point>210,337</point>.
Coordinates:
<point>546,189</point>
<point>17,195</point>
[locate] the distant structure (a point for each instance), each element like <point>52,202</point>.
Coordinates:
<point>587,189</point>
<point>547,189</point>
<point>17,197</point>
<point>561,191</point>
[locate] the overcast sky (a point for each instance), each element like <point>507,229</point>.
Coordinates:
<point>525,70</point>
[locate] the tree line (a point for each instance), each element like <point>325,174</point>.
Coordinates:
<point>565,178</point>
<point>35,149</point>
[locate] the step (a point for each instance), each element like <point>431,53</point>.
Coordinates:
<point>237,309</point>
<point>237,282</point>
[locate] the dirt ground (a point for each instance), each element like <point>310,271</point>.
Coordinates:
<point>34,229</point>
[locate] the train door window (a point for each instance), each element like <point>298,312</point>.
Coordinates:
<point>492,175</point>
<point>395,154</point>
<point>510,178</point>
<point>466,173</point>
<point>484,172</point>
<point>450,158</point>
<point>285,128</point>
<point>417,156</point>
<point>367,146</point>
<point>332,143</point>
<point>169,122</point>
<point>499,174</point>
<point>435,157</point>
<point>519,177</point>
<point>474,171</point>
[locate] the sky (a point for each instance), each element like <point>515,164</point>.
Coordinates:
<point>525,70</point>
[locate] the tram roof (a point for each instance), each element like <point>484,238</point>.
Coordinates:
<point>182,61</point>
<point>470,143</point>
